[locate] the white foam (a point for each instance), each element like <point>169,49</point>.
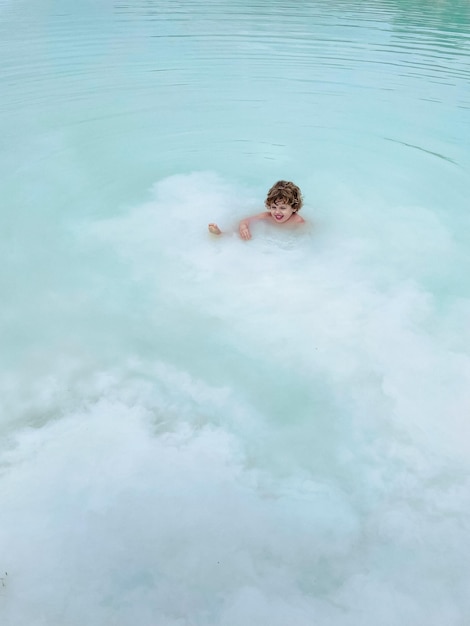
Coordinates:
<point>269,431</point>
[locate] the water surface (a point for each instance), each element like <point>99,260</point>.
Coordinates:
<point>213,432</point>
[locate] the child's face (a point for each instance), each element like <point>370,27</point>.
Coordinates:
<point>280,211</point>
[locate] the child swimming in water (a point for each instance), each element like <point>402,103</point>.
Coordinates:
<point>283,202</point>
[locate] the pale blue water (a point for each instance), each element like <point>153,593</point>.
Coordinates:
<point>220,433</point>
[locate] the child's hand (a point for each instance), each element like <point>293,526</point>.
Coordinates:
<point>214,229</point>
<point>244,231</point>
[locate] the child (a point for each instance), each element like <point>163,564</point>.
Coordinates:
<point>283,202</point>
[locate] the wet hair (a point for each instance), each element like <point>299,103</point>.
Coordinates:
<point>287,192</point>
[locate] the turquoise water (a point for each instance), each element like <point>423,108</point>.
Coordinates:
<point>201,431</point>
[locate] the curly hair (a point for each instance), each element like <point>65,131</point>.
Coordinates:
<point>285,191</point>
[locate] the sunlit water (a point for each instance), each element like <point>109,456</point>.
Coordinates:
<point>210,432</point>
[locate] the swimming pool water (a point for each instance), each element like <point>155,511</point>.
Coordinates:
<point>201,431</point>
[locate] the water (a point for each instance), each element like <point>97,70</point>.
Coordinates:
<point>201,431</point>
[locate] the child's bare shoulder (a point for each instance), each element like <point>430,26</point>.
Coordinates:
<point>253,218</point>
<point>262,216</point>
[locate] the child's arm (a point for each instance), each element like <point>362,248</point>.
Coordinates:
<point>244,225</point>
